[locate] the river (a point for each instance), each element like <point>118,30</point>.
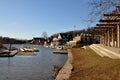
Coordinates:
<point>37,67</point>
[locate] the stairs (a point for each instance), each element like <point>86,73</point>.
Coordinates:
<point>104,52</point>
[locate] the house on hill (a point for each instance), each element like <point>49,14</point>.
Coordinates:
<point>38,40</point>
<point>60,39</point>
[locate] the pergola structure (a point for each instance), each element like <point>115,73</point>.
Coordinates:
<point>109,29</point>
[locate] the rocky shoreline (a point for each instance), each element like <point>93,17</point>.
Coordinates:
<point>65,72</point>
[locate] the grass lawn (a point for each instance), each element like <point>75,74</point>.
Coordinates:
<point>90,66</point>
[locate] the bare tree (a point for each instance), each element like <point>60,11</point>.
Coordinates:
<point>0,40</point>
<point>44,35</point>
<point>99,7</point>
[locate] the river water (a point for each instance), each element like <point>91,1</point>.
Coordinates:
<point>37,67</point>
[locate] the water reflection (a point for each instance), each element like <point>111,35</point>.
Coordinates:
<point>39,67</point>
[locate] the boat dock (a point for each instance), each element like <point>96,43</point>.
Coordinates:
<point>27,53</point>
<point>9,54</point>
<point>60,52</point>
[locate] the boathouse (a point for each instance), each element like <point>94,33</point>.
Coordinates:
<point>38,40</point>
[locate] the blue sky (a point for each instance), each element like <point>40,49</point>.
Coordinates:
<point>25,19</point>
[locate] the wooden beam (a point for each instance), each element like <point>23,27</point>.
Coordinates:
<point>99,29</point>
<point>115,20</point>
<point>111,14</point>
<point>106,25</point>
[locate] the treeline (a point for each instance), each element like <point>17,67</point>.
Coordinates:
<point>74,33</point>
<point>69,35</point>
<point>7,40</point>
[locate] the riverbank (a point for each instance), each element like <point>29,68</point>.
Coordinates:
<point>90,66</point>
<point>65,72</point>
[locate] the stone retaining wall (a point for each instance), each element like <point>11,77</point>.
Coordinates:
<point>65,72</point>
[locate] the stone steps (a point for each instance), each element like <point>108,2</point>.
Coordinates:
<point>102,51</point>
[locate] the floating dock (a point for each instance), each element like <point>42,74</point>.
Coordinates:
<point>60,52</point>
<point>9,54</point>
<point>27,53</point>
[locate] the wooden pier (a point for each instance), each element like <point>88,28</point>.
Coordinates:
<point>60,52</point>
<point>9,54</point>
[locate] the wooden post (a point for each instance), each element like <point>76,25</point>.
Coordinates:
<point>118,36</point>
<point>105,38</point>
<point>108,37</point>
<point>101,36</point>
<point>113,43</point>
